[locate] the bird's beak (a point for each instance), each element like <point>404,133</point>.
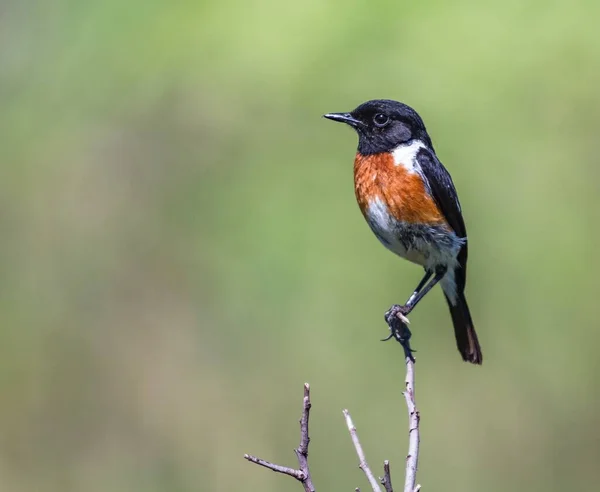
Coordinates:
<point>344,118</point>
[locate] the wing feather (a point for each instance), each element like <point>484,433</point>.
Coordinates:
<point>441,187</point>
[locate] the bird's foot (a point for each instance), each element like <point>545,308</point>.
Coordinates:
<point>397,311</point>
<point>398,323</point>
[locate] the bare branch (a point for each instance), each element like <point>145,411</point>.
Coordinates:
<point>303,473</point>
<point>398,324</point>
<point>363,465</point>
<point>302,450</point>
<point>412,459</point>
<point>386,480</point>
<point>297,474</point>
<point>399,330</point>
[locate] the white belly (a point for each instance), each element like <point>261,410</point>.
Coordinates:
<point>422,244</point>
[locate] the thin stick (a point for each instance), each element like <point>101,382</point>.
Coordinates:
<point>297,474</point>
<point>363,465</point>
<point>386,481</point>
<point>302,450</point>
<point>412,459</point>
<point>398,324</point>
<point>303,473</point>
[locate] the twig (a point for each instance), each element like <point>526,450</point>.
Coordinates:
<point>363,465</point>
<point>303,473</point>
<point>398,324</point>
<point>412,459</point>
<point>399,330</point>
<point>276,468</point>
<point>386,480</point>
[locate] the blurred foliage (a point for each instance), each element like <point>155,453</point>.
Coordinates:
<point>181,249</point>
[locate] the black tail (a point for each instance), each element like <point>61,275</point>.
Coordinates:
<point>466,338</point>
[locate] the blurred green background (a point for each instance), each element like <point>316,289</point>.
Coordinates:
<point>181,248</point>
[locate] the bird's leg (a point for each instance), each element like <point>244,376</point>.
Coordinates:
<point>413,300</point>
<point>425,285</point>
<point>423,281</point>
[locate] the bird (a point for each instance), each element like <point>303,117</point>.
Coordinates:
<point>410,203</point>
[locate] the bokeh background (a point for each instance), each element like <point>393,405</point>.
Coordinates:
<point>181,249</point>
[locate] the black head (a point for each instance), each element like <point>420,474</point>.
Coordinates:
<point>382,125</point>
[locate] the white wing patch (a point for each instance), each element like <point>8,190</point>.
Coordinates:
<point>405,155</point>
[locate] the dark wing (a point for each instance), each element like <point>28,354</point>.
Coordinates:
<point>442,189</point>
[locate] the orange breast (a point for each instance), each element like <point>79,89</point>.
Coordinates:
<point>403,192</point>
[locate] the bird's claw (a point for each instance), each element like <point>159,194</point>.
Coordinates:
<point>397,311</point>
<point>397,321</point>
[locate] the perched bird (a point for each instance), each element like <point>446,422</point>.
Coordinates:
<point>408,199</point>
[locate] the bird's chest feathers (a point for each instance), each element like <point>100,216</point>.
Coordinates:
<point>390,186</point>
<point>395,202</point>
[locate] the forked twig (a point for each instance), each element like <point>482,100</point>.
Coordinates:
<point>302,474</point>
<point>398,324</point>
<point>399,330</point>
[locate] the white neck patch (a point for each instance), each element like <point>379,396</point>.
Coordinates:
<point>405,155</point>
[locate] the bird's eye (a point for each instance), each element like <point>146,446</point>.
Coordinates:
<point>381,119</point>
